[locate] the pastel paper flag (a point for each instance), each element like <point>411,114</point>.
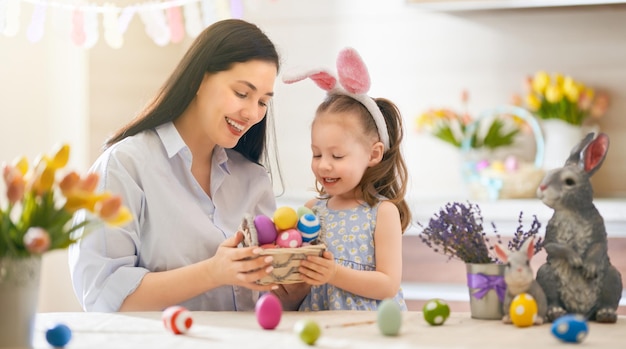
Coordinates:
<point>12,23</point>
<point>110,23</point>
<point>91,27</point>
<point>193,22</point>
<point>78,27</point>
<point>175,22</point>
<point>156,25</point>
<point>223,9</point>
<point>236,9</point>
<point>124,20</point>
<point>208,12</point>
<point>35,29</point>
<point>3,15</point>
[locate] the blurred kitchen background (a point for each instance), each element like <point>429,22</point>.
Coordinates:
<point>420,53</point>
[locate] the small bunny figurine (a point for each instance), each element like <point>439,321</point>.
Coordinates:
<point>519,278</point>
<point>578,276</point>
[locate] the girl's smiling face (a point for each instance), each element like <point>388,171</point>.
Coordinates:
<point>341,153</point>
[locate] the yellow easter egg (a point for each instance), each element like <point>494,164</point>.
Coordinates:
<point>498,166</point>
<point>523,310</point>
<point>285,218</point>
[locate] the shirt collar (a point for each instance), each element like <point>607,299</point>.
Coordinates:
<point>173,143</point>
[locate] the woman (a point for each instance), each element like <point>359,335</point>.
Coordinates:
<point>189,168</point>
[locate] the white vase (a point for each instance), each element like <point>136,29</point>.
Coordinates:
<point>19,289</point>
<point>560,137</point>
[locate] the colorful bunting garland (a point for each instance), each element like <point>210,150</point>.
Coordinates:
<point>165,22</point>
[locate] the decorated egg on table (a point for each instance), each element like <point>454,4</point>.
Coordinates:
<point>177,319</point>
<point>289,238</point>
<point>308,330</point>
<point>309,227</point>
<point>570,328</point>
<point>268,310</point>
<point>523,310</point>
<point>266,230</point>
<point>389,317</point>
<point>58,335</point>
<point>285,218</point>
<point>436,311</point>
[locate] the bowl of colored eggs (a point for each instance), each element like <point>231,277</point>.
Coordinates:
<point>289,237</point>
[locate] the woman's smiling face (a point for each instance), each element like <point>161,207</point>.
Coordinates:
<point>229,102</point>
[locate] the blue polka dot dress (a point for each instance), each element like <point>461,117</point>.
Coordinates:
<point>349,235</point>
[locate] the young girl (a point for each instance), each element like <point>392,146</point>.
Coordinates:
<point>361,181</point>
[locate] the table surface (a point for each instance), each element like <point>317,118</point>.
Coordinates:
<point>340,329</point>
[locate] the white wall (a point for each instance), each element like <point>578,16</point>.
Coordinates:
<point>53,92</point>
<point>422,59</point>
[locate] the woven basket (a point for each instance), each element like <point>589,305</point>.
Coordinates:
<point>491,184</point>
<point>286,260</point>
<point>286,263</point>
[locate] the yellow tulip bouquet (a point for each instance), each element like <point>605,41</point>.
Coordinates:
<point>37,215</point>
<point>559,96</point>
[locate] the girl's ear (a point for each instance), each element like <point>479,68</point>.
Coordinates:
<point>376,154</point>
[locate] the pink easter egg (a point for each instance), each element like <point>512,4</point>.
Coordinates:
<point>177,319</point>
<point>265,228</point>
<point>481,165</point>
<point>289,238</point>
<point>268,310</point>
<point>511,164</point>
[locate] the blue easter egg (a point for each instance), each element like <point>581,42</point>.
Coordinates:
<point>570,328</point>
<point>309,226</point>
<point>58,335</point>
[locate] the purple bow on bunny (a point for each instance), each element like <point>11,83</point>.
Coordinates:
<point>578,276</point>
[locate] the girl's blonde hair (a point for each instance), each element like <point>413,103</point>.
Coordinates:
<point>388,178</point>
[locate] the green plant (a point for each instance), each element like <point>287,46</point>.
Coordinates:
<point>453,127</point>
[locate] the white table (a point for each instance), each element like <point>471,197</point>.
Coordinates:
<point>240,330</point>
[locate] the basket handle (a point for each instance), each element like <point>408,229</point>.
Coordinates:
<point>514,110</point>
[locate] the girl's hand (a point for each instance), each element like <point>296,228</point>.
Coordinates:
<point>232,265</point>
<point>317,270</point>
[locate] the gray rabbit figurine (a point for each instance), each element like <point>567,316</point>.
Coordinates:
<point>577,276</point>
<point>519,278</point>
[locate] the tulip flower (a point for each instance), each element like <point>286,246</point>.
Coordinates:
<point>47,206</point>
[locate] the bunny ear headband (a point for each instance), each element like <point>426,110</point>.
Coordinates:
<point>354,82</point>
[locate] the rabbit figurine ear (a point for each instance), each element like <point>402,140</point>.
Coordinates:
<point>589,153</point>
<point>501,253</point>
<point>529,247</point>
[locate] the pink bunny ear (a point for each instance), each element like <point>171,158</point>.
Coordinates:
<point>325,80</point>
<point>353,74</point>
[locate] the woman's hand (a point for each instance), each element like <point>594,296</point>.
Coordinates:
<point>317,270</point>
<point>233,265</point>
<point>291,295</point>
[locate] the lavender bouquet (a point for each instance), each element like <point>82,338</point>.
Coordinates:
<point>457,231</point>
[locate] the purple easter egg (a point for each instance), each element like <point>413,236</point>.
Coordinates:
<point>266,230</point>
